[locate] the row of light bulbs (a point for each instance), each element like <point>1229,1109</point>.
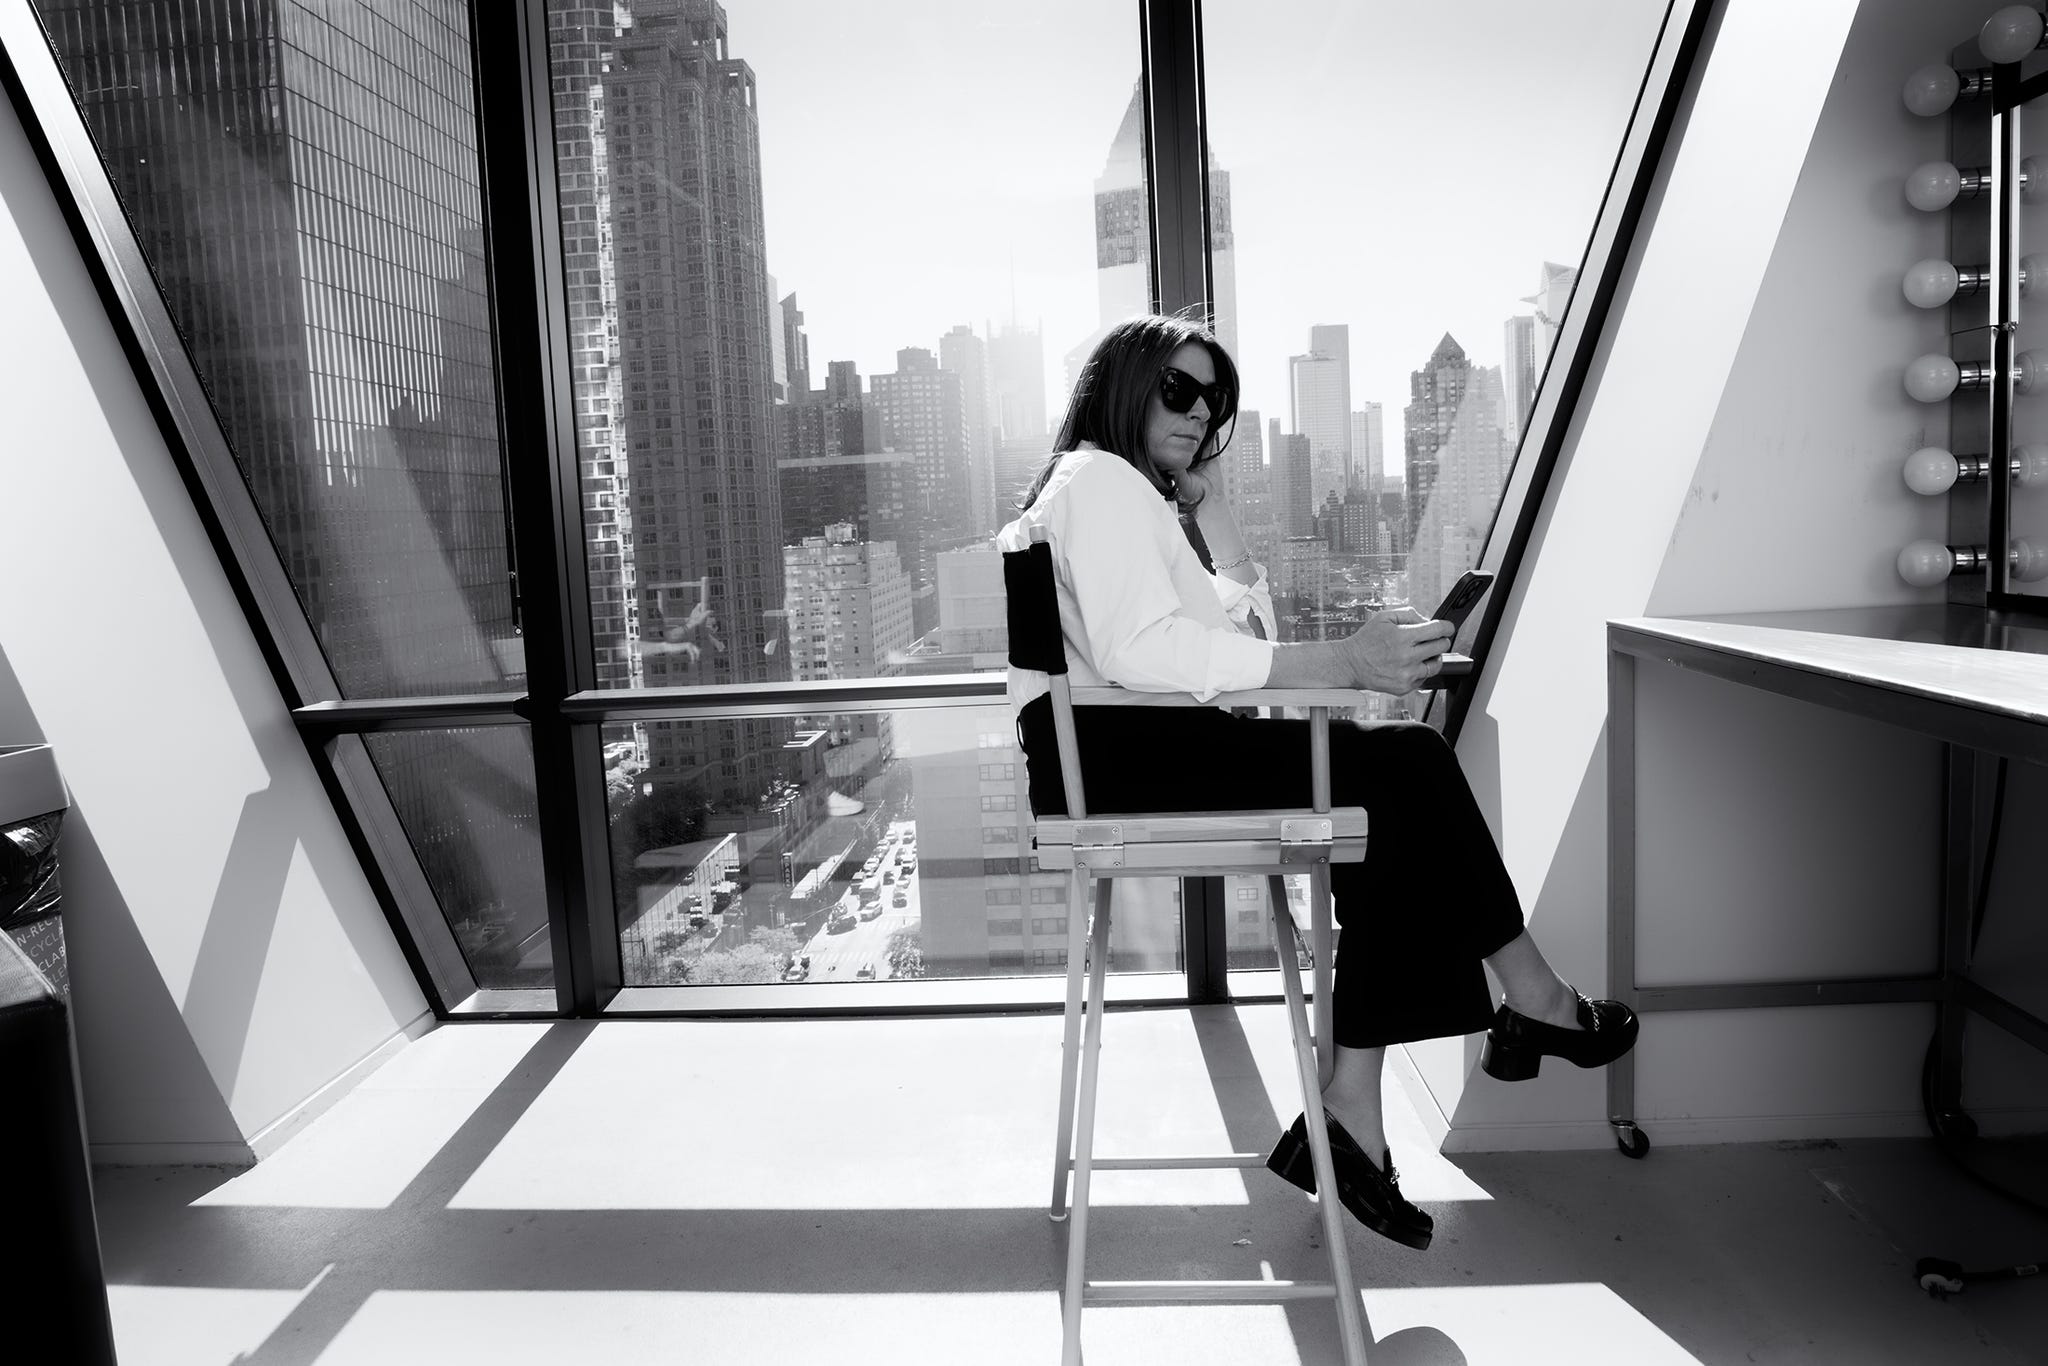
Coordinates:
<point>2007,36</point>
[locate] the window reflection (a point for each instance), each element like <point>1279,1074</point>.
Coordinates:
<point>466,800</point>
<point>303,181</point>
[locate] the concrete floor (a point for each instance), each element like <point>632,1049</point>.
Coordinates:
<point>873,1191</point>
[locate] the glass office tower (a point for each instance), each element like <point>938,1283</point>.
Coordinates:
<point>304,182</point>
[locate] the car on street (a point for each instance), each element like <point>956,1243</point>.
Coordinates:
<point>900,900</point>
<point>840,923</point>
<point>867,971</point>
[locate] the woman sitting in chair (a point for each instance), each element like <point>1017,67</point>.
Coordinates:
<point>1149,416</point>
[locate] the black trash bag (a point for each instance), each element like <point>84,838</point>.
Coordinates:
<point>29,887</point>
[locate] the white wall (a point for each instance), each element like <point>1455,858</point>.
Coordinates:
<point>228,960</point>
<point>1738,450</point>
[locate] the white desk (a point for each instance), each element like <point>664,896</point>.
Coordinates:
<point>1978,685</point>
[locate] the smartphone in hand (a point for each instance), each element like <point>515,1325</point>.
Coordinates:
<point>1463,597</point>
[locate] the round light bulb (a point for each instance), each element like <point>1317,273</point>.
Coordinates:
<point>1932,378</point>
<point>2011,33</point>
<point>1930,283</point>
<point>1930,470</point>
<point>2029,560</point>
<point>1925,563</point>
<point>2030,372</point>
<point>1932,89</point>
<point>1933,185</point>
<point>2030,466</point>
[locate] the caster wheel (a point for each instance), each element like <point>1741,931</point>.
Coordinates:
<point>1632,1141</point>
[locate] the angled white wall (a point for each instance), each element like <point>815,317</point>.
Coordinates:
<point>1737,450</point>
<point>228,960</point>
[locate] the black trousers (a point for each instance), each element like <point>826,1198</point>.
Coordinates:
<point>1430,900</point>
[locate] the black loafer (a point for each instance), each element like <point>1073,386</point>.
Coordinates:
<point>1516,1045</point>
<point>1371,1193</point>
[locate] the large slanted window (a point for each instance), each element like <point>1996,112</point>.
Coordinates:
<point>304,185</point>
<point>604,406</point>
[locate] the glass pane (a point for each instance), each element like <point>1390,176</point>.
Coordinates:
<point>466,800</point>
<point>857,847</point>
<point>1248,925</point>
<point>1393,307</point>
<point>304,183</point>
<point>955,237</point>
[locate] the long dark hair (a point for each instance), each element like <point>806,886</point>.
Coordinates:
<point>1111,393</point>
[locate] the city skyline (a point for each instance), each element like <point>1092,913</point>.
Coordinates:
<point>1315,242</point>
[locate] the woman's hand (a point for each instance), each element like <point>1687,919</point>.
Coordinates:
<point>1396,650</point>
<point>1201,486</point>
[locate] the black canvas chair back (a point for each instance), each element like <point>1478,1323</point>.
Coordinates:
<point>1033,606</point>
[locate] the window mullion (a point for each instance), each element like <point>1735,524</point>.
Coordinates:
<point>516,118</point>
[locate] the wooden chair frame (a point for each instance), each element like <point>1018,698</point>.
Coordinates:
<point>1101,848</point>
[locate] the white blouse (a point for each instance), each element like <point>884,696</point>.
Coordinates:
<point>1137,610</point>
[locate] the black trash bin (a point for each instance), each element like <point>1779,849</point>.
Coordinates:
<point>53,1250</point>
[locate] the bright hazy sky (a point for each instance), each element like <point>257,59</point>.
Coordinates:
<point>1401,167</point>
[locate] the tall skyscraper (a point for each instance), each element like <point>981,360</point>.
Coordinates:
<point>796,349</point>
<point>1453,435</point>
<point>1553,293</point>
<point>1016,361</point>
<point>1368,448</point>
<point>696,352</point>
<point>965,355</point>
<point>1123,223</point>
<point>1287,474</point>
<point>1520,369</point>
<point>1319,399</point>
<point>1434,392</point>
<point>1123,240</point>
<point>1246,485</point>
<point>580,42</point>
<point>1018,461</point>
<point>919,412</point>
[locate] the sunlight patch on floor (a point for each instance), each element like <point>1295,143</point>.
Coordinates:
<point>184,1326</point>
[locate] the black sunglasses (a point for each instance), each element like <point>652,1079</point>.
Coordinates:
<point>1178,390</point>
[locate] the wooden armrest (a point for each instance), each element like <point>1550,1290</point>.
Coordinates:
<point>1455,667</point>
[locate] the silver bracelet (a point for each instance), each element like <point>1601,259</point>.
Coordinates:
<point>1245,558</point>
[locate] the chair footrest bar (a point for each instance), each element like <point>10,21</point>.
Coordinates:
<point>1217,1292</point>
<point>1197,1162</point>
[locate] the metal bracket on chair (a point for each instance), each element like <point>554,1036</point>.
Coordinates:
<point>1305,839</point>
<point>1099,844</point>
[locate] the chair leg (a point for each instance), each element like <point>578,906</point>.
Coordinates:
<point>1319,935</point>
<point>1070,1043</point>
<point>1325,970</point>
<point>1084,1136</point>
<point>1350,1326</point>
